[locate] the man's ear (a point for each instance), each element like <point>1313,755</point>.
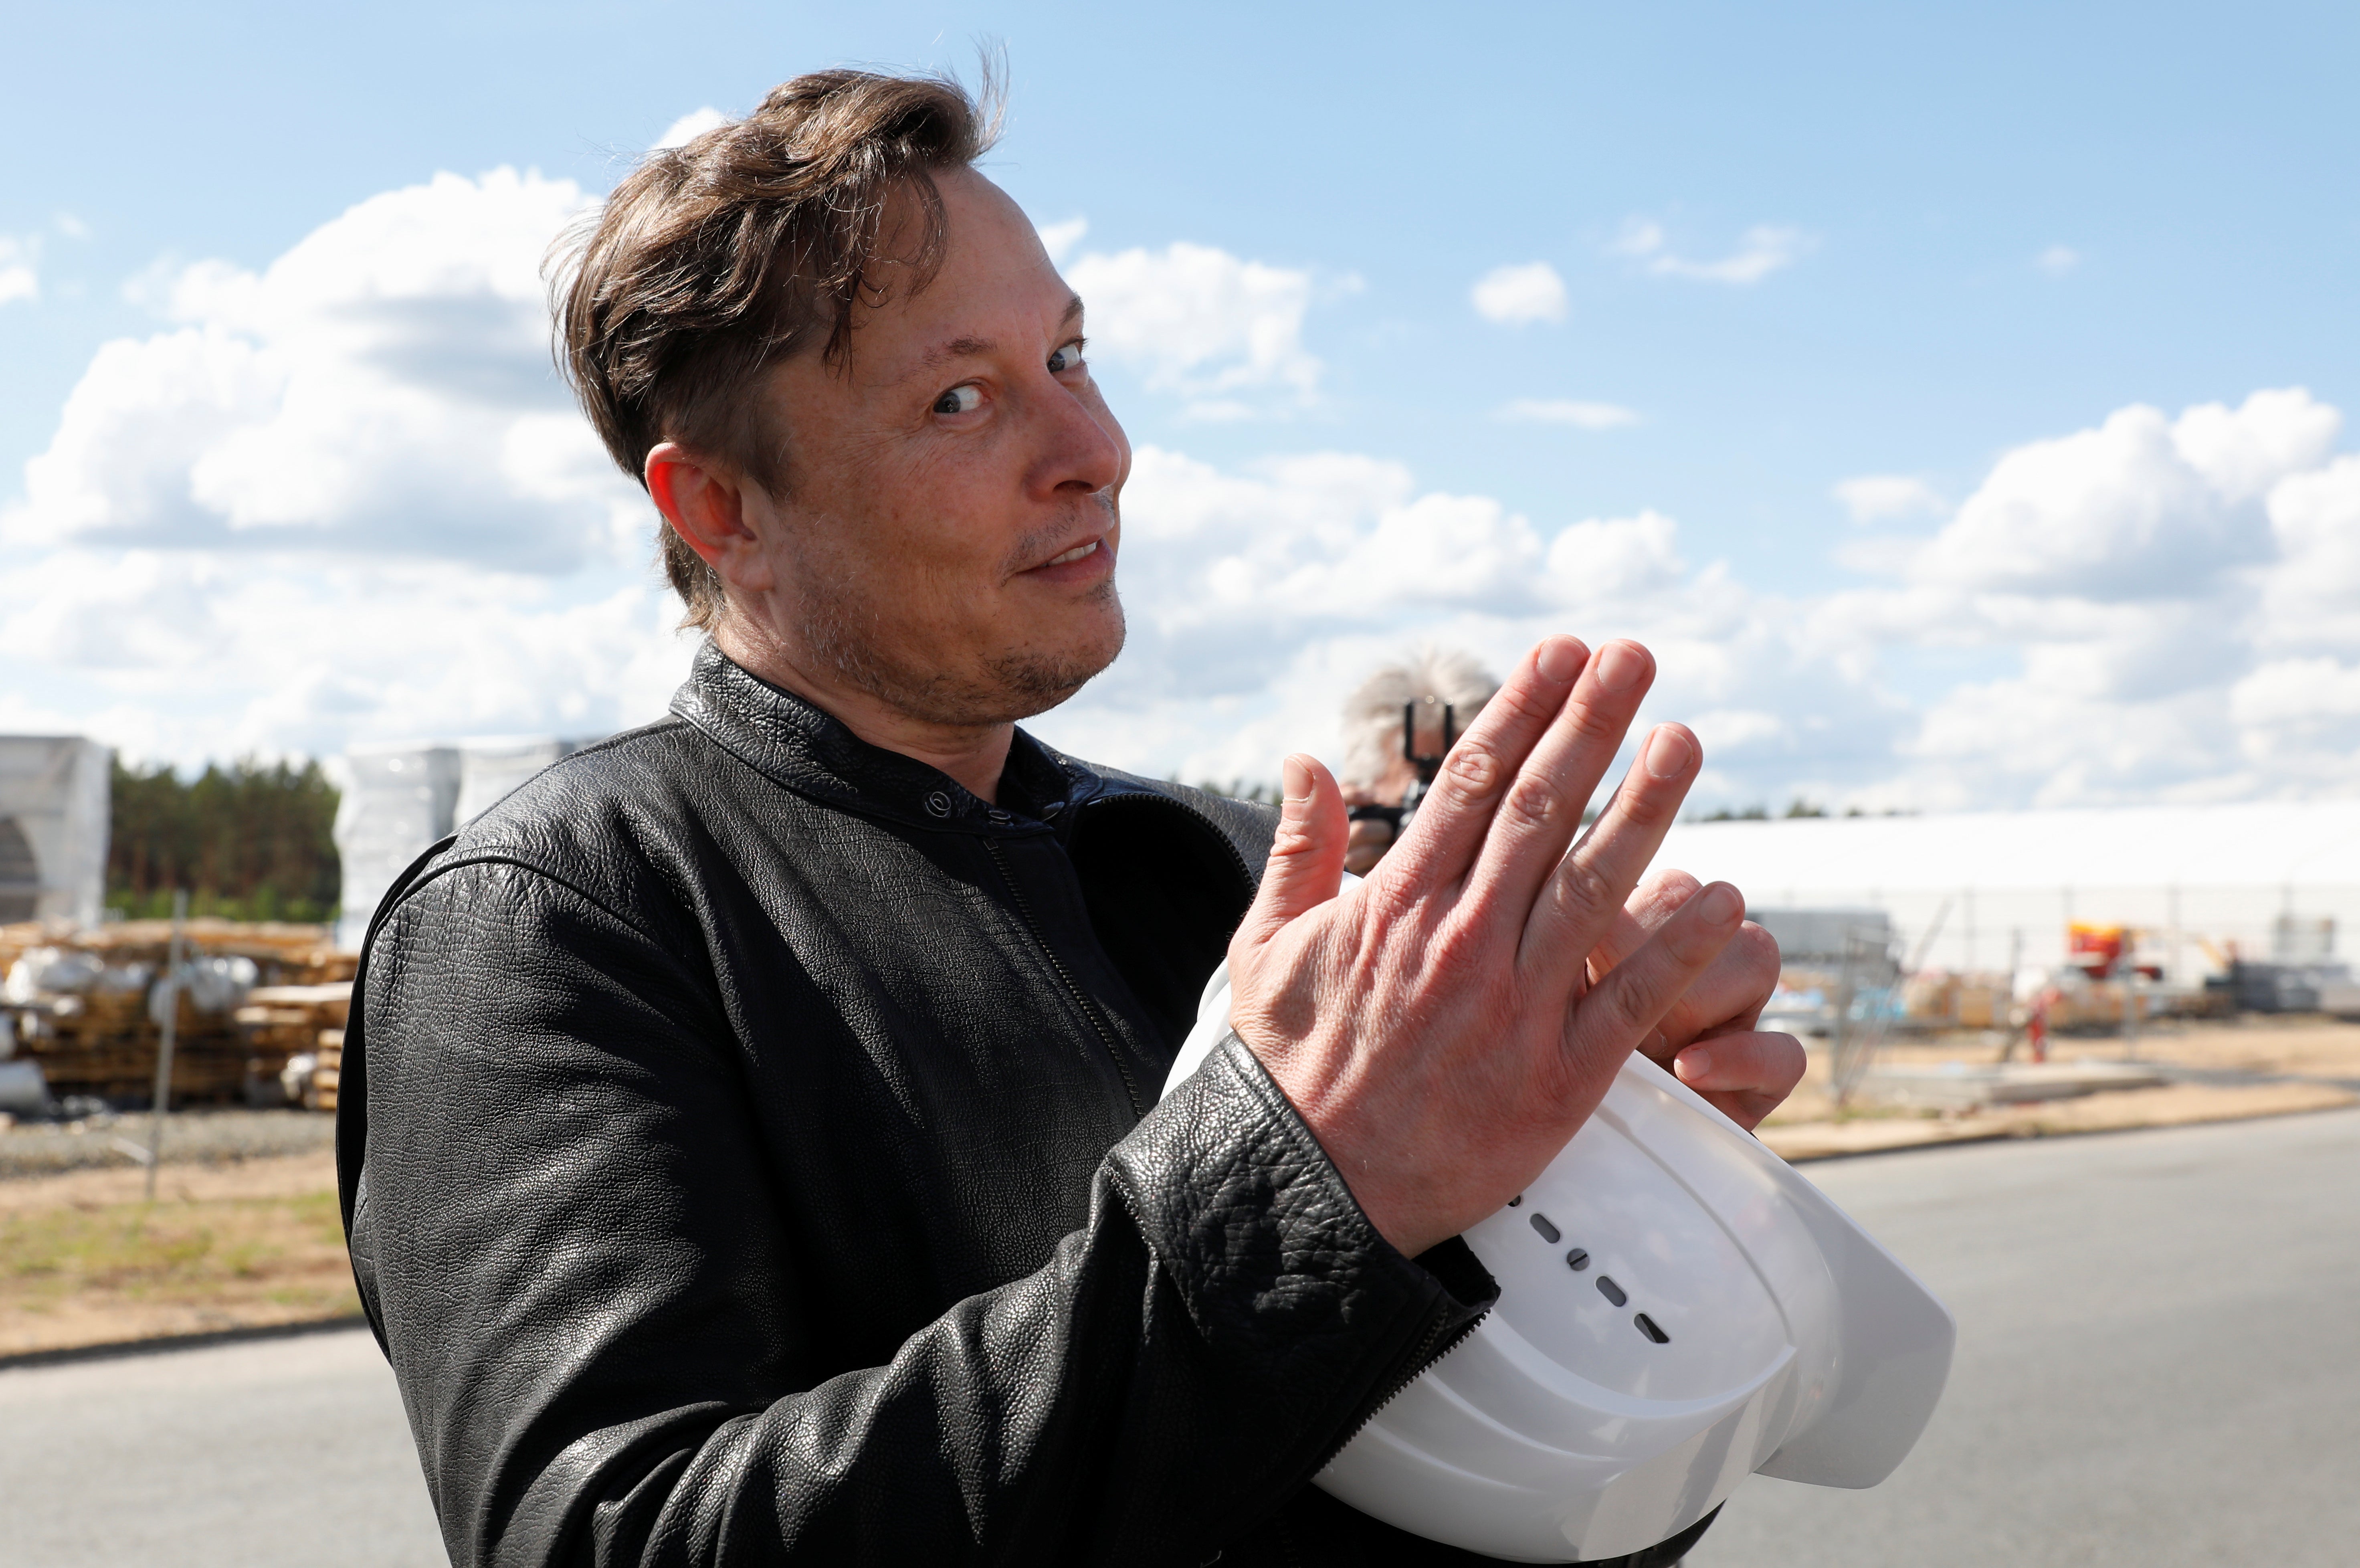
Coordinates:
<point>706,506</point>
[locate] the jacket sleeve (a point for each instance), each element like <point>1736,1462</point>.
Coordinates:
<point>563,1232</point>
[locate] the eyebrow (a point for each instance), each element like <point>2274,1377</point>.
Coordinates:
<point>976,348</point>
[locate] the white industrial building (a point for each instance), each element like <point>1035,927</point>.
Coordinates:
<point>1996,890</point>
<point>399,799</point>
<point>55,792</point>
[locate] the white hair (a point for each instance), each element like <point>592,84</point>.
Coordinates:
<point>1372,714</point>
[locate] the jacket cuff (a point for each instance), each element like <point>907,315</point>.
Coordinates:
<point>1283,1276</point>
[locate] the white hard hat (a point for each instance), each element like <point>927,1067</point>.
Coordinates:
<point>1677,1309</point>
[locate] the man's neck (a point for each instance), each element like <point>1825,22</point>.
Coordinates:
<point>974,755</point>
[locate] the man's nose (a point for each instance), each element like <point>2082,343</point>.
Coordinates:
<point>1081,448</point>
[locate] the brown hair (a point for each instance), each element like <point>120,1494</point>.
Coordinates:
<point>714,260</point>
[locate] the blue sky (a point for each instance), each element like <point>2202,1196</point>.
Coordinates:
<point>1792,247</point>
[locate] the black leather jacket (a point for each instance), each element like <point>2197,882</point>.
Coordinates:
<point>750,1154</point>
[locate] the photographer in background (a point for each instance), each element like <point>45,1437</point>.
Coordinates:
<point>1397,727</point>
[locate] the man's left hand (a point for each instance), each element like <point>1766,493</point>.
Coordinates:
<point>1708,1040</point>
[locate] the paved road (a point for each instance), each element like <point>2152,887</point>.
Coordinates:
<point>2158,1365</point>
<point>273,1453</point>
<point>2158,1358</point>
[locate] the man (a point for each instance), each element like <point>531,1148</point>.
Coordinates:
<point>1434,690</point>
<point>751,1141</point>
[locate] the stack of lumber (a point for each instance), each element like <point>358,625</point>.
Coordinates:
<point>106,1045</point>
<point>283,1024</point>
<point>284,954</point>
<point>329,1073</point>
<point>96,1036</point>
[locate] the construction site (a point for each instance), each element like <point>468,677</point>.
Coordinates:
<point>1954,979</point>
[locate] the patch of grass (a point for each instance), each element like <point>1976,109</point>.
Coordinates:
<point>216,1256</point>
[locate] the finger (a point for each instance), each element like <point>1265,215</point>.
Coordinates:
<point>1746,1074</point>
<point>1652,903</point>
<point>1727,999</point>
<point>1455,815</point>
<point>1306,856</point>
<point>1541,812</point>
<point>1587,890</point>
<point>1618,1012</point>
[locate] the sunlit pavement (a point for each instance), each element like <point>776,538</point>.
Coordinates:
<point>2159,1365</point>
<point>280,1451</point>
<point>2158,1358</point>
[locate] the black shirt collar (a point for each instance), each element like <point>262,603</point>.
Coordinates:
<point>792,741</point>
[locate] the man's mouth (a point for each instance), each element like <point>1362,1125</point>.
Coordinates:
<point>1078,552</point>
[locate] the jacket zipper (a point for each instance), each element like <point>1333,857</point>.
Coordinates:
<point>1081,997</point>
<point>1438,1343</point>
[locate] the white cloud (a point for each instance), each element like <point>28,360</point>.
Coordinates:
<point>2312,599</point>
<point>1761,251</point>
<point>19,278</point>
<point>2142,505</point>
<point>1059,239</point>
<point>1568,411</point>
<point>1517,295</point>
<point>2058,260</point>
<point>1881,497</point>
<point>384,386</point>
<point>2153,608</point>
<point>690,127</point>
<point>343,498</point>
<point>1200,323</point>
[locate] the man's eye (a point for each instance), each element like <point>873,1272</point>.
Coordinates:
<point>963,399</point>
<point>1066,358</point>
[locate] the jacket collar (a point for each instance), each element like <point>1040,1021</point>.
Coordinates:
<point>795,743</point>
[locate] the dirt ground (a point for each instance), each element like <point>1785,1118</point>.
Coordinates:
<point>2321,1057</point>
<point>84,1259</point>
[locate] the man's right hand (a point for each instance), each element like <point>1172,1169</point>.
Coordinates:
<point>1434,1026</point>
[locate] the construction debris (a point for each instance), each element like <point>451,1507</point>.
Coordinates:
<point>85,1006</point>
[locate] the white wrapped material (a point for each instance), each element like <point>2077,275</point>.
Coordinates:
<point>23,1091</point>
<point>399,799</point>
<point>51,972</point>
<point>489,770</point>
<point>396,800</point>
<point>54,796</point>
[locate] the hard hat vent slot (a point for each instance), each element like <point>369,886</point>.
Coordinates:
<point>1611,1290</point>
<point>1647,1327</point>
<point>1550,1233</point>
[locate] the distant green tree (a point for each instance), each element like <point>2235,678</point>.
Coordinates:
<point>1239,789</point>
<point>1750,815</point>
<point>248,842</point>
<point>1799,807</point>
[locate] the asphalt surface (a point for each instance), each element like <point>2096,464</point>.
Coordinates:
<point>271,1454</point>
<point>2158,1358</point>
<point>2159,1365</point>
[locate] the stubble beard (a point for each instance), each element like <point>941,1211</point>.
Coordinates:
<point>847,631</point>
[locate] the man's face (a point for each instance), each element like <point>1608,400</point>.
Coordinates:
<point>947,541</point>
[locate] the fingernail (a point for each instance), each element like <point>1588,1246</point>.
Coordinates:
<point>1668,752</point>
<point>1294,785</point>
<point>1721,905</point>
<point>1693,1063</point>
<point>1561,660</point>
<point>1619,667</point>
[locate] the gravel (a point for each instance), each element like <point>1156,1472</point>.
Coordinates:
<point>42,1148</point>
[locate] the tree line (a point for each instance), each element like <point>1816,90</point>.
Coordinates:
<point>249,842</point>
